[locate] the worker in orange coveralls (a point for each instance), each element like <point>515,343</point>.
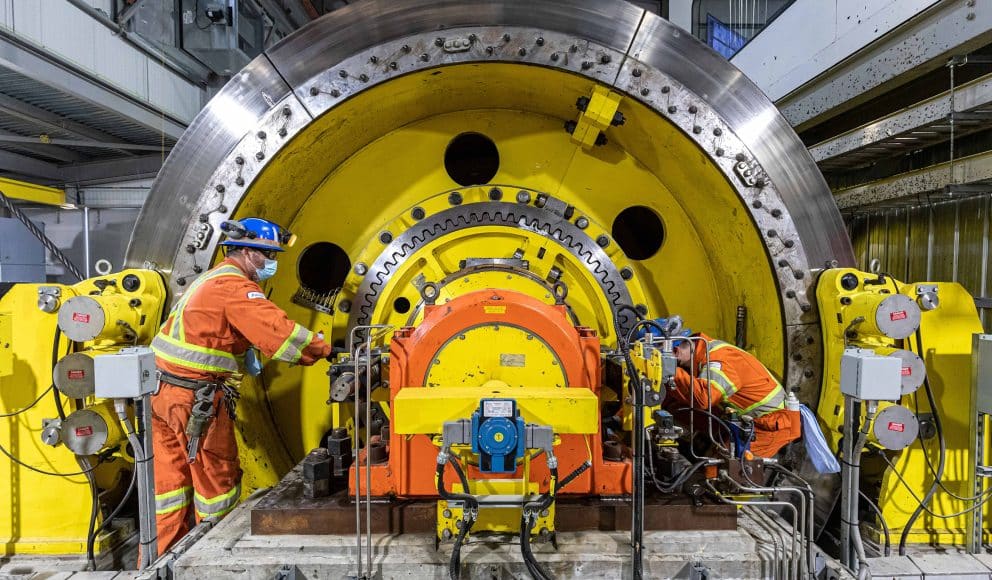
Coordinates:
<point>212,326</point>
<point>733,379</point>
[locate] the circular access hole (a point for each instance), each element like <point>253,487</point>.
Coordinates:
<point>471,159</point>
<point>401,305</point>
<point>323,267</point>
<point>639,232</point>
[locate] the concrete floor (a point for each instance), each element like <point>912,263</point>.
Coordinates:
<point>229,551</point>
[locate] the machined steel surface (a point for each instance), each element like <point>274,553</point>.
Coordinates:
<point>365,45</point>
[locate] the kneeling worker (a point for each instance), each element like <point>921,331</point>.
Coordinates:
<point>222,314</point>
<point>736,381</point>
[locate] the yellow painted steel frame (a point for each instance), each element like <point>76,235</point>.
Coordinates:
<point>567,410</point>
<point>946,335</point>
<point>48,514</point>
<point>503,520</point>
<point>367,166</point>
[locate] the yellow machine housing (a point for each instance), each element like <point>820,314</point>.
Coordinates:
<point>29,314</point>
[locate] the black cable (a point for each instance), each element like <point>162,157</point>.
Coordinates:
<point>881,519</point>
<point>533,566</point>
<point>94,509</point>
<point>55,360</point>
<point>42,471</point>
<point>455,564</point>
<point>941,459</point>
<point>33,403</point>
<point>120,506</point>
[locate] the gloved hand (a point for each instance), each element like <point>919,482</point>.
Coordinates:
<point>253,365</point>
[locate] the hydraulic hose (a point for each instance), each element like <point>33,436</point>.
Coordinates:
<point>533,566</point>
<point>470,505</point>
<point>941,459</point>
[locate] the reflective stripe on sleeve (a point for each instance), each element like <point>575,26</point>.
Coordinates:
<point>292,348</point>
<point>721,381</point>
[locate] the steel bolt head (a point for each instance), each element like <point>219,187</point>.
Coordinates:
<point>314,91</point>
<point>425,57</point>
<point>554,56</point>
<point>582,223</point>
<point>645,91</point>
<point>495,194</point>
<point>261,135</point>
<point>603,241</point>
<point>385,237</point>
<point>345,306</point>
<point>627,273</point>
<point>636,72</point>
<point>446,534</point>
<point>361,269</point>
<point>455,198</point>
<point>260,156</point>
<point>523,196</point>
<point>539,41</point>
<point>418,213</point>
<point>393,65</point>
<point>446,513</point>
<point>220,188</point>
<point>522,51</point>
<point>343,74</point>
<point>586,64</point>
<point>438,41</point>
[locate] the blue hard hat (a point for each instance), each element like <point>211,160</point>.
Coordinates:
<point>255,233</point>
<point>685,333</point>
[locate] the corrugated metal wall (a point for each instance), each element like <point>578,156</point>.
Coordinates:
<point>946,241</point>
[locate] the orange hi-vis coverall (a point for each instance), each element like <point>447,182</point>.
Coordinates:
<point>735,379</point>
<point>210,328</point>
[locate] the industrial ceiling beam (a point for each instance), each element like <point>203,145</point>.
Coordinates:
<point>920,118</point>
<point>932,181</point>
<point>921,45</point>
<point>6,137</point>
<point>24,191</point>
<point>29,61</point>
<point>51,121</point>
<point>96,172</point>
<point>24,165</point>
<point>34,145</point>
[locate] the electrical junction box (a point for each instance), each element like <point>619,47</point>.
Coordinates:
<point>870,377</point>
<point>498,435</point>
<point>127,374</point>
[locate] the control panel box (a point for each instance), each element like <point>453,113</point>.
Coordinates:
<point>869,376</point>
<point>127,374</point>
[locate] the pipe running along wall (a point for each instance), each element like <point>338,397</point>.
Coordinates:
<point>389,116</point>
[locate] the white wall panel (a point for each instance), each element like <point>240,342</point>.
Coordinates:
<point>119,65</point>
<point>7,14</point>
<point>69,33</point>
<point>171,93</point>
<point>27,19</point>
<point>812,36</point>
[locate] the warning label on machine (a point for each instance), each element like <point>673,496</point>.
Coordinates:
<point>80,317</point>
<point>898,427</point>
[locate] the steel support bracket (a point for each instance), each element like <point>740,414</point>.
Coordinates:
<point>598,112</point>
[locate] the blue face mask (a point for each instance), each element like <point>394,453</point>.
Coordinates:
<point>268,270</point>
